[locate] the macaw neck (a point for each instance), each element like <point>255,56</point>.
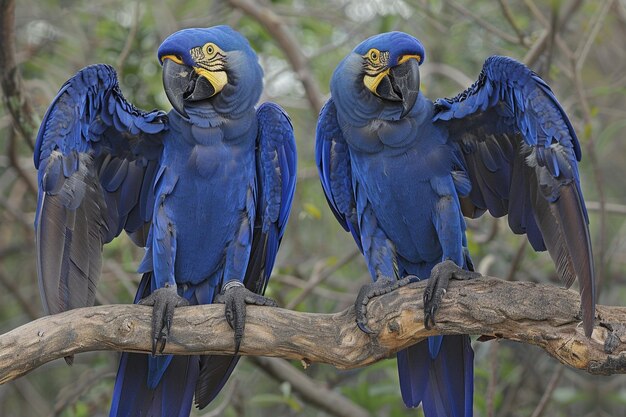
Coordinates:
<point>230,103</point>
<point>203,130</point>
<point>376,134</point>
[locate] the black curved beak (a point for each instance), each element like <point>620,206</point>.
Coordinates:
<point>402,84</point>
<point>182,84</point>
<point>177,80</point>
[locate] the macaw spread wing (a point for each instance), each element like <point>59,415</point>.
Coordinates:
<point>521,154</point>
<point>96,156</point>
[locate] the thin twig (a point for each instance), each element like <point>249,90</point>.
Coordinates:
<point>582,52</point>
<point>517,260</point>
<point>325,293</point>
<point>547,395</point>
<point>130,40</point>
<point>72,393</point>
<point>538,48</point>
<point>10,77</point>
<point>311,391</point>
<point>448,71</point>
<point>320,277</point>
<point>536,12</point>
<point>508,14</point>
<point>493,379</point>
<point>482,22</point>
<point>32,397</point>
<point>289,45</point>
<point>609,208</point>
<point>14,290</point>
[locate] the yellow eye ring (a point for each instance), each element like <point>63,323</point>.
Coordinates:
<point>374,55</point>
<point>210,50</point>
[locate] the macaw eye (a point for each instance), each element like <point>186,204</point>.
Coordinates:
<point>373,55</point>
<point>210,50</point>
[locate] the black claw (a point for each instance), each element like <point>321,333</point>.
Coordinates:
<point>163,302</point>
<point>235,297</point>
<point>163,341</point>
<point>437,286</point>
<point>382,286</point>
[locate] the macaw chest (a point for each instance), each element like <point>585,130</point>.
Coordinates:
<point>202,191</point>
<point>399,187</point>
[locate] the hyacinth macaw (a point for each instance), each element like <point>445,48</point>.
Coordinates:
<point>206,188</point>
<point>400,172</point>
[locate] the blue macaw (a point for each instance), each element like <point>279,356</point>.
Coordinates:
<point>400,172</point>
<point>206,188</point>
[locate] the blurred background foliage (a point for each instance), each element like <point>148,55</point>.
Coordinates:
<point>576,45</point>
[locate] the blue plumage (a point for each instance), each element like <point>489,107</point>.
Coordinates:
<point>207,189</point>
<point>400,172</point>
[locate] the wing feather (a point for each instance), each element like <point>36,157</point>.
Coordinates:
<point>332,157</point>
<point>521,152</point>
<point>96,156</point>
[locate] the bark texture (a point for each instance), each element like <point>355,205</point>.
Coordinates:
<point>537,314</point>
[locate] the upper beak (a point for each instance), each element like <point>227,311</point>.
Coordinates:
<point>177,79</point>
<point>402,84</point>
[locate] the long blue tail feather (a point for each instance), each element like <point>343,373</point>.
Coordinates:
<point>172,397</point>
<point>443,385</point>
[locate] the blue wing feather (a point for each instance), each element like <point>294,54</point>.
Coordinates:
<point>332,158</point>
<point>521,152</point>
<point>276,180</point>
<point>95,154</point>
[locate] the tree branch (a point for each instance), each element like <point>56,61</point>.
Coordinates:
<point>311,391</point>
<point>537,314</point>
<point>277,28</point>
<point>10,78</point>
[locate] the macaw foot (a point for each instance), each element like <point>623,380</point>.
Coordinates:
<point>163,300</point>
<point>382,286</point>
<point>235,297</point>
<point>438,282</point>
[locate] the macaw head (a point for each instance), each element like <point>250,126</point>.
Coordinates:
<point>214,65</point>
<point>385,66</point>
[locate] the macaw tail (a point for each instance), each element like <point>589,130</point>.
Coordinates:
<point>132,397</point>
<point>439,373</point>
<point>214,372</point>
<point>161,386</point>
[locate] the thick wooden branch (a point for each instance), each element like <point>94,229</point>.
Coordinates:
<point>537,314</point>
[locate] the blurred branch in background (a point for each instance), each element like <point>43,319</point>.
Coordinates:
<point>313,392</point>
<point>290,46</point>
<point>10,78</point>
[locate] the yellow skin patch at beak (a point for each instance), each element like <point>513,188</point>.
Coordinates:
<point>376,67</point>
<point>218,79</point>
<point>210,63</point>
<point>372,82</point>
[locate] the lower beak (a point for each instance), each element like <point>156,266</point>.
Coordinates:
<point>402,84</point>
<point>177,79</point>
